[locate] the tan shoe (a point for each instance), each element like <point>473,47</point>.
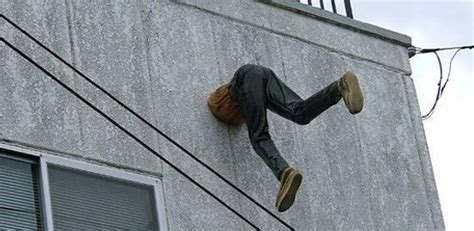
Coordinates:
<point>290,182</point>
<point>283,176</point>
<point>350,90</point>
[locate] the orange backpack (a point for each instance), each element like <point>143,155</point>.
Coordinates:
<point>224,108</point>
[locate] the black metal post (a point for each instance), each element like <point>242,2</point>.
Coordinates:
<point>333,3</point>
<point>347,5</point>
<point>321,3</point>
<point>310,3</point>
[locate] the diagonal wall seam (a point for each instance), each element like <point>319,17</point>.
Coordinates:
<point>68,13</point>
<point>146,11</point>
<point>428,177</point>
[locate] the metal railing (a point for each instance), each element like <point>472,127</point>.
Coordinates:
<point>347,6</point>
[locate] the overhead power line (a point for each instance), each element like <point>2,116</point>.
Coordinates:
<point>412,51</point>
<point>149,125</point>
<point>116,124</point>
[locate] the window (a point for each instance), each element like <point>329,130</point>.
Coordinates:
<point>19,199</point>
<point>51,192</point>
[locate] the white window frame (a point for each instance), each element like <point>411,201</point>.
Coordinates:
<point>47,159</point>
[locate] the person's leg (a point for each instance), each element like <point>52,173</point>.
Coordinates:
<point>286,103</point>
<point>257,88</point>
<point>248,89</point>
<point>250,84</point>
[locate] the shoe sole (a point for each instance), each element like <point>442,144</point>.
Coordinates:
<point>289,194</point>
<point>283,177</point>
<point>352,93</point>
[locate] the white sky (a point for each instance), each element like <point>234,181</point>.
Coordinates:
<point>430,24</point>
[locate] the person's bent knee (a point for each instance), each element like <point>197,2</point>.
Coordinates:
<point>301,120</point>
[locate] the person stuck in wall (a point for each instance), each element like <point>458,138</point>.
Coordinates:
<point>253,90</point>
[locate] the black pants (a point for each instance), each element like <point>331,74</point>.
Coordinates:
<point>256,88</point>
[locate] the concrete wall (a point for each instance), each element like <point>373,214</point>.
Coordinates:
<point>370,171</point>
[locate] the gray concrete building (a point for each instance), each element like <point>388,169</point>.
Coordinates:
<point>63,165</point>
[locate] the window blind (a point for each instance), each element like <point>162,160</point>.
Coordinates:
<point>84,201</point>
<point>19,201</point>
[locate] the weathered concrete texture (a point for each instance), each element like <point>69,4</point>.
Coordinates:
<point>108,44</point>
<point>305,28</point>
<point>45,114</point>
<point>368,172</point>
<point>184,70</point>
<point>425,160</point>
<point>34,108</point>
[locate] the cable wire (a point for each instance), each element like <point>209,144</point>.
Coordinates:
<point>442,86</point>
<point>125,130</point>
<point>438,92</point>
<point>412,51</point>
<point>428,50</point>
<point>147,123</point>
<point>449,71</point>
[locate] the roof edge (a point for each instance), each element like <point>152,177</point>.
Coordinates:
<point>342,21</point>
